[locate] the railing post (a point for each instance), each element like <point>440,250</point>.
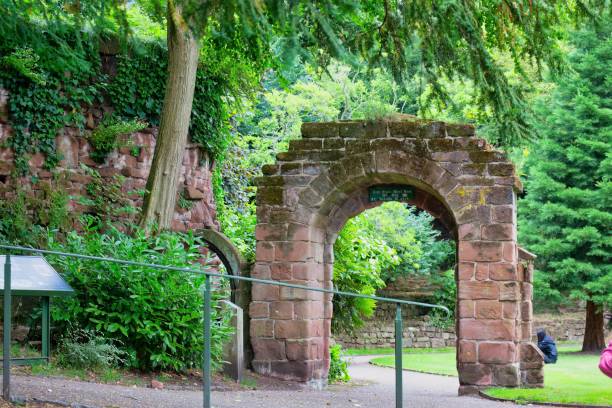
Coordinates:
<point>46,328</point>
<point>6,352</point>
<point>398,357</point>
<point>206,360</point>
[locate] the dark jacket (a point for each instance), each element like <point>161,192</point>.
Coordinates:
<point>548,347</point>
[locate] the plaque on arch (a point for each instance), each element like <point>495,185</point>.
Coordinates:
<point>390,192</point>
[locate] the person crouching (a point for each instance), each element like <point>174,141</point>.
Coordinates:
<point>548,347</point>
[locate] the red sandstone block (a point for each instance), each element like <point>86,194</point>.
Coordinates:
<point>264,251</point>
<point>482,271</point>
<point>282,310</point>
<point>467,352</point>
<point>510,252</point>
<point>484,329</point>
<point>488,309</point>
<point>262,328</point>
<point>281,271</point>
<point>502,213</point>
<point>466,270</point>
<point>307,271</point>
<point>509,310</point>
<point>265,292</point>
<point>478,290</point>
<point>259,310</point>
<point>292,251</point>
<point>261,271</point>
<point>298,329</point>
<point>475,374</point>
<point>466,308</point>
<point>270,232</point>
<point>500,196</point>
<point>496,353</point>
<point>469,232</point>
<point>526,310</point>
<point>298,232</point>
<point>527,291</point>
<point>308,309</point>
<point>301,350</point>
<point>268,349</point>
<point>502,271</point>
<point>480,251</point>
<point>509,291</point>
<point>287,293</point>
<point>498,232</point>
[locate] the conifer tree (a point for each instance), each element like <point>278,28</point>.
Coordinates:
<point>566,216</point>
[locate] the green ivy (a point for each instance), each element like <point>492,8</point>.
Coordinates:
<point>104,139</point>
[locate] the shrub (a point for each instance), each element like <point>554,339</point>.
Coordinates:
<point>156,315</point>
<point>86,349</point>
<point>338,368</point>
<point>105,138</point>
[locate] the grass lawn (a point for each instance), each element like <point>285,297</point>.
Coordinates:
<point>574,379</point>
<point>390,350</point>
<point>433,362</point>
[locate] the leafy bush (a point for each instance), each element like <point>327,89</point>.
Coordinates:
<point>156,315</point>
<point>105,138</point>
<point>86,349</point>
<point>359,263</point>
<point>338,368</point>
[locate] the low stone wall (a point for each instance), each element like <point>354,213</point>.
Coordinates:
<point>565,327</point>
<point>133,162</point>
<point>379,331</point>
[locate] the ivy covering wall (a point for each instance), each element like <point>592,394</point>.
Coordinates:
<point>51,88</point>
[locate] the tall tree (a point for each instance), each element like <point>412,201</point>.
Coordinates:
<point>451,38</point>
<point>566,216</point>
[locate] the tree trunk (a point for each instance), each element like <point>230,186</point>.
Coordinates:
<point>594,330</point>
<point>162,184</point>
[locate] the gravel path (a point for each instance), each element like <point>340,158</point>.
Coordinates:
<point>371,387</point>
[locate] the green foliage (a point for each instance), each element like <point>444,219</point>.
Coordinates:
<point>86,349</point>
<point>338,368</point>
<point>105,138</point>
<point>24,218</point>
<point>155,315</point>
<point>25,62</point>
<point>359,262</point>
<point>409,232</point>
<point>445,294</point>
<point>566,216</point>
<point>107,203</point>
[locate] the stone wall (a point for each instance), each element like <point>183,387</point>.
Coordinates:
<point>133,162</point>
<point>379,330</point>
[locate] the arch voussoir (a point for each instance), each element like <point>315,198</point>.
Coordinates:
<point>324,179</point>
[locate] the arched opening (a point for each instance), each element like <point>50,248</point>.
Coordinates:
<point>394,250</point>
<point>326,178</point>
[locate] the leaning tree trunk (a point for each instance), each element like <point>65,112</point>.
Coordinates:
<point>162,184</point>
<point>594,330</point>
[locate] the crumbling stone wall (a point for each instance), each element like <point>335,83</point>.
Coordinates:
<point>307,196</point>
<point>73,145</point>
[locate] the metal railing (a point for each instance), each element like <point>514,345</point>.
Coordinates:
<point>206,359</point>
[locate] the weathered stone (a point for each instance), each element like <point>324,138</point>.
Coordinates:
<point>480,251</point>
<point>478,290</point>
<point>496,353</point>
<point>486,329</point>
<point>488,309</point>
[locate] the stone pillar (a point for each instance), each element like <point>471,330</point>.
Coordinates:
<point>532,359</point>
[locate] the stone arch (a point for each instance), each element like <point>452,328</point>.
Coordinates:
<point>304,199</point>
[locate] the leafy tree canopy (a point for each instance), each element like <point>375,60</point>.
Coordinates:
<point>566,216</point>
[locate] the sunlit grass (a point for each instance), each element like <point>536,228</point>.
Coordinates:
<point>575,379</point>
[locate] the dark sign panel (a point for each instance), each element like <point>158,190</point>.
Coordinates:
<point>390,192</point>
<point>33,276</point>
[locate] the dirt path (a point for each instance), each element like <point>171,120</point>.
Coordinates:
<point>371,387</point>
